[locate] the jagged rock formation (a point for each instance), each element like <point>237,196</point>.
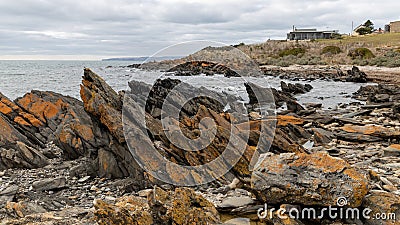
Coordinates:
<point>194,68</point>
<point>297,167</point>
<point>295,88</point>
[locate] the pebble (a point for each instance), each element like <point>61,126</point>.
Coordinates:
<point>390,188</point>
<point>94,188</point>
<point>236,202</point>
<point>109,198</point>
<point>84,179</point>
<point>144,193</point>
<point>393,165</point>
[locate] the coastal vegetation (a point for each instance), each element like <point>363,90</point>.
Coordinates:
<point>374,49</point>
<point>333,50</point>
<point>361,53</point>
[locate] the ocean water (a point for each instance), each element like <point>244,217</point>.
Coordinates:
<point>20,77</point>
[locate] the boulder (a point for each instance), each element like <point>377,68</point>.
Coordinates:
<point>44,117</point>
<point>380,93</point>
<point>50,184</point>
<point>194,68</point>
<point>382,204</point>
<point>357,76</point>
<point>182,206</point>
<point>260,97</point>
<point>127,210</point>
<point>295,88</point>
<point>308,179</point>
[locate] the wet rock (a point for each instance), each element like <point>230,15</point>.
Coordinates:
<point>295,88</point>
<point>50,184</point>
<point>261,96</point>
<point>357,76</point>
<point>382,203</point>
<point>317,180</point>
<point>194,68</point>
<point>313,105</point>
<point>294,106</point>
<point>379,93</point>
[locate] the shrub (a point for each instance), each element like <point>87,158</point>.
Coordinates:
<point>292,51</point>
<point>333,50</point>
<point>389,59</point>
<point>361,53</point>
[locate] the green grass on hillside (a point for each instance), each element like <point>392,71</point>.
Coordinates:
<point>389,39</point>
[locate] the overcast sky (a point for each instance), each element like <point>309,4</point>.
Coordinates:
<point>102,28</point>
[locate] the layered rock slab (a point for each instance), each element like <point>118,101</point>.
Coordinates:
<point>308,179</point>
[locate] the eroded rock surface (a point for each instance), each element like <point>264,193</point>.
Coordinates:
<point>316,179</point>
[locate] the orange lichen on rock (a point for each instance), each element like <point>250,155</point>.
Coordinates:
<point>32,119</point>
<point>83,131</point>
<point>395,146</point>
<point>21,121</point>
<point>310,179</point>
<point>5,109</point>
<point>320,160</point>
<point>284,120</point>
<point>41,109</point>
<point>370,130</point>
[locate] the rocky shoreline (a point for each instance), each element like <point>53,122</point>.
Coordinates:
<point>337,73</point>
<point>66,161</point>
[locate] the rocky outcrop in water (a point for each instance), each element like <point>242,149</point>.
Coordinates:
<point>194,68</point>
<point>295,88</point>
<point>316,73</point>
<point>356,76</point>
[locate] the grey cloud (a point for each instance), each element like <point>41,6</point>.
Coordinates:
<point>127,27</point>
